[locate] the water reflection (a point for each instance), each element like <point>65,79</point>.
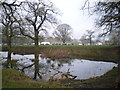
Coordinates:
<point>46,67</point>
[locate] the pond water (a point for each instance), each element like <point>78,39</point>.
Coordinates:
<point>83,69</point>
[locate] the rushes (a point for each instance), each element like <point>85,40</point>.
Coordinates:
<point>57,53</point>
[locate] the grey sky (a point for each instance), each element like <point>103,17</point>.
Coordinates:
<point>72,15</point>
<point>80,21</point>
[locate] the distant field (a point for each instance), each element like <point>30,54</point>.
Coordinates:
<point>105,53</point>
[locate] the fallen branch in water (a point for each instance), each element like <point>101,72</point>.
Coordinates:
<point>66,75</point>
<point>26,67</point>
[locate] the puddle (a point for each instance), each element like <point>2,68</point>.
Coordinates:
<point>83,69</point>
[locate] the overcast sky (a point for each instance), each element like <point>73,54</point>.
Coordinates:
<point>72,14</point>
<point>76,18</point>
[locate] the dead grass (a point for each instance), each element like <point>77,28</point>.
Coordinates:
<point>57,53</point>
<point>107,53</point>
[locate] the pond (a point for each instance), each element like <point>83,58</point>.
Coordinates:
<point>82,69</point>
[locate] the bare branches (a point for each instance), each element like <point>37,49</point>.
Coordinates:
<point>86,2</point>
<point>29,17</point>
<point>63,32</point>
<point>87,7</point>
<point>8,22</point>
<point>10,6</point>
<point>27,35</point>
<point>109,16</point>
<point>37,14</point>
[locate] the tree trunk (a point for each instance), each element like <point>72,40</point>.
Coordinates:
<point>64,41</point>
<point>9,53</point>
<point>90,41</point>
<point>36,63</point>
<point>36,54</point>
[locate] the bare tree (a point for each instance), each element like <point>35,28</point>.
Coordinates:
<point>63,32</point>
<point>84,39</point>
<point>90,35</point>
<point>115,37</point>
<point>109,18</point>
<point>32,18</point>
<point>108,12</point>
<point>8,24</point>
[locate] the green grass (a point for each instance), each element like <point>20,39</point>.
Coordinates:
<point>13,79</point>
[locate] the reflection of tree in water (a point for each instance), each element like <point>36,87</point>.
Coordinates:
<point>62,76</point>
<point>64,61</point>
<point>35,67</point>
<point>36,63</point>
<point>59,75</point>
<point>39,67</point>
<point>44,67</point>
<point>12,64</point>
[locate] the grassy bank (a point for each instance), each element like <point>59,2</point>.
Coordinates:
<point>13,79</point>
<point>108,80</point>
<point>104,53</point>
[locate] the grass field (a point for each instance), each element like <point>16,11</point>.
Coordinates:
<point>104,53</point>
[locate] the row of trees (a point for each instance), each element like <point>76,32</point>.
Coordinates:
<point>108,18</point>
<point>61,34</point>
<point>28,19</point>
<point>87,38</point>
